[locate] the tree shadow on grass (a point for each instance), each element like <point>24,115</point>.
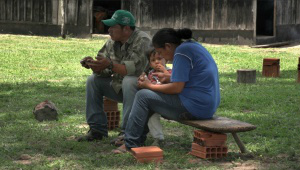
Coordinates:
<point>16,96</point>
<point>21,134</point>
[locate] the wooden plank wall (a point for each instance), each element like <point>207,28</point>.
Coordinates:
<point>46,11</point>
<point>194,14</point>
<point>205,12</point>
<point>125,4</point>
<point>77,12</point>
<point>35,11</point>
<point>146,13</point>
<point>189,14</point>
<point>287,12</point>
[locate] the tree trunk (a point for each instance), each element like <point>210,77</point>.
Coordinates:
<point>63,29</point>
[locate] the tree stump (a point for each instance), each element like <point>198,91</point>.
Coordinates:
<point>45,111</point>
<point>246,76</point>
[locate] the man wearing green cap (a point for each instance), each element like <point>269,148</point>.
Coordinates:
<point>115,71</point>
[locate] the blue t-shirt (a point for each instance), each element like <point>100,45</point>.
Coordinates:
<point>194,65</point>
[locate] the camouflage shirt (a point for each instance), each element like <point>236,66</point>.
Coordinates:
<point>131,54</point>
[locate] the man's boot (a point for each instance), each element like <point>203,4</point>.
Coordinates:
<point>92,135</point>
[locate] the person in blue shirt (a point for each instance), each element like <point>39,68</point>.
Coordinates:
<point>191,92</point>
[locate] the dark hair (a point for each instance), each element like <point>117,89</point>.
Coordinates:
<point>169,35</point>
<point>150,50</point>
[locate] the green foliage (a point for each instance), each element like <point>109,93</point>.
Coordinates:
<point>37,68</point>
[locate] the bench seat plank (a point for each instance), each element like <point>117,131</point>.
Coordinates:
<point>220,124</point>
<point>223,125</point>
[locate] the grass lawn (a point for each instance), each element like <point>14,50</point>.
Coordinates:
<point>37,68</point>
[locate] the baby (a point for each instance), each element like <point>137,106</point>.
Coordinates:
<point>157,64</point>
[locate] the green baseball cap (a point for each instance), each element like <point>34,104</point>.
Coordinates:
<point>121,17</point>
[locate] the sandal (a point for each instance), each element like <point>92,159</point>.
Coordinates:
<point>120,150</point>
<point>119,141</point>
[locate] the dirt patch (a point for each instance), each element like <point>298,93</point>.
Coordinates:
<point>24,159</point>
<point>71,138</point>
<point>247,165</point>
<point>83,126</point>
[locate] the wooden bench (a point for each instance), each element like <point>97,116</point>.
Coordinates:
<point>223,125</point>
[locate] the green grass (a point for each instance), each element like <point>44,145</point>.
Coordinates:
<point>37,68</point>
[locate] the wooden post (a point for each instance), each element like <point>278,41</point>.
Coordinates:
<point>246,76</point>
<point>298,71</point>
<point>63,29</point>
<point>45,11</point>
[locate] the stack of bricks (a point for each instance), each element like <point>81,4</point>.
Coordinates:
<point>147,154</point>
<point>298,71</point>
<point>271,67</point>
<point>208,145</point>
<point>112,112</point>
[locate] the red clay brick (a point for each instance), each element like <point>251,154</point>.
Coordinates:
<point>271,67</point>
<point>147,152</point>
<point>206,149</point>
<point>207,142</point>
<point>112,125</point>
<point>209,135</point>
<point>110,105</point>
<point>113,119</point>
<point>208,155</point>
<point>150,159</point>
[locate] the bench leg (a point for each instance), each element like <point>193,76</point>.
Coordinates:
<point>239,142</point>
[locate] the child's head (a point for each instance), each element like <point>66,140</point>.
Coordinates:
<point>154,58</point>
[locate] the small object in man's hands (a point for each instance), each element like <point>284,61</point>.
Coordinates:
<point>92,63</point>
<point>82,62</point>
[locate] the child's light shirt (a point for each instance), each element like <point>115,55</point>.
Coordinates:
<point>154,79</point>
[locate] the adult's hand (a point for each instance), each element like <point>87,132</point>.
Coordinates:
<point>103,61</point>
<point>163,77</point>
<point>84,61</point>
<point>161,68</point>
<point>144,82</point>
<point>98,65</point>
<point>142,76</point>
